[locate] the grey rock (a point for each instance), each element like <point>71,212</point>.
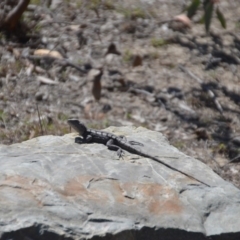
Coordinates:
<point>53,188</point>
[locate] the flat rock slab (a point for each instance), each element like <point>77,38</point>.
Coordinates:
<point>54,188</point>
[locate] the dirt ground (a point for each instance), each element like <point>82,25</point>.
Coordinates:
<point>122,63</point>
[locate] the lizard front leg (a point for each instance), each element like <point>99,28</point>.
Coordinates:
<point>86,139</point>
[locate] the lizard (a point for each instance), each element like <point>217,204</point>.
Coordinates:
<point>116,143</point>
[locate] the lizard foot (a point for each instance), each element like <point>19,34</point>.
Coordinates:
<point>78,140</point>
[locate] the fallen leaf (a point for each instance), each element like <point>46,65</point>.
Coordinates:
<point>183,19</point>
<point>137,61</point>
<point>112,49</point>
<point>96,75</point>
<point>46,80</point>
<point>48,53</point>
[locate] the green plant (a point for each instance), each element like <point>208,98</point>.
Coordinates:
<point>237,25</point>
<point>35,2</point>
<point>106,123</point>
<point>129,115</point>
<point>37,28</point>
<point>94,4</point>
<point>78,3</point>
<point>62,116</point>
<point>221,148</point>
<point>208,7</point>
<point>138,13</point>
<point>179,144</point>
<point>127,56</point>
<point>158,42</point>
<point>1,114</point>
<point>18,65</point>
<point>132,13</point>
<point>109,5</point>
<point>154,55</point>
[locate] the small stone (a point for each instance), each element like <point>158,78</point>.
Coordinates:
<point>236,140</point>
<point>39,96</point>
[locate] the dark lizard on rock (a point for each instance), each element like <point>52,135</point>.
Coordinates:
<point>116,143</point>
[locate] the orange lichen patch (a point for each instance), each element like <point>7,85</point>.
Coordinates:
<point>89,188</point>
<point>76,186</point>
<point>150,197</point>
<point>155,198</point>
<point>165,205</point>
<point>15,181</point>
<point>24,189</point>
<point>24,182</point>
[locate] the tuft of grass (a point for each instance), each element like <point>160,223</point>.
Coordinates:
<point>132,13</point>
<point>158,42</point>
<point>2,115</point>
<point>154,55</point>
<point>212,74</point>
<point>3,70</point>
<point>127,56</point>
<point>78,3</point>
<point>17,66</point>
<point>93,4</point>
<point>179,144</point>
<point>237,25</point>
<point>129,115</point>
<point>35,2</point>
<point>62,117</point>
<point>109,5</point>
<point>106,123</point>
<point>138,13</point>
<point>221,148</point>
<point>80,62</point>
<point>37,28</point>
<point>31,129</point>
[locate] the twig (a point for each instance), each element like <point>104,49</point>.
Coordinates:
<point>70,64</point>
<point>64,61</point>
<point>141,91</point>
<point>233,160</point>
<point>209,92</point>
<point>40,122</point>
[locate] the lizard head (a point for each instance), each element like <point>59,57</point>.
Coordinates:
<point>77,126</point>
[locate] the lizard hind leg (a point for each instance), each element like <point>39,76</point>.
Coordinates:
<point>110,144</point>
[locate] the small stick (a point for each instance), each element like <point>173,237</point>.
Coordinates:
<point>40,122</point>
<point>64,62</point>
<point>209,92</point>
<point>233,160</point>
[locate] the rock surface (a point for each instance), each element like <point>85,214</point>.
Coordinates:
<point>53,188</point>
